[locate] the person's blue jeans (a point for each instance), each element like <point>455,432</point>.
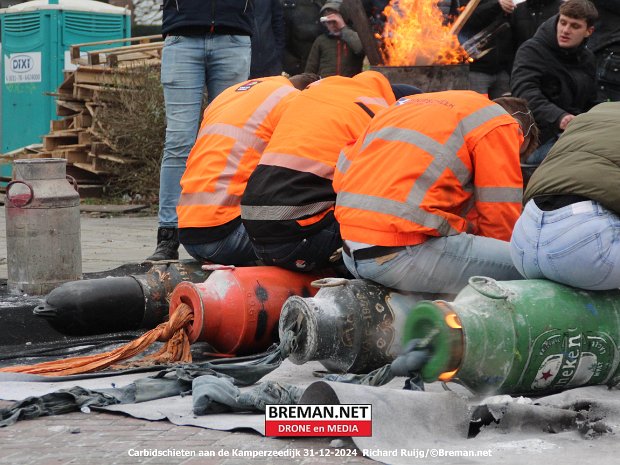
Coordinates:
<point>538,155</point>
<point>439,265</point>
<point>234,249</point>
<point>577,245</point>
<point>188,63</point>
<point>308,254</point>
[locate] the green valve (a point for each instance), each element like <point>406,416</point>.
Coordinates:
<point>529,337</point>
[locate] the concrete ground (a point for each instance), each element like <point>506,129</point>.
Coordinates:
<point>106,438</point>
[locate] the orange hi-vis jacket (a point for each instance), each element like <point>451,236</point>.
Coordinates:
<point>435,164</point>
<point>235,130</point>
<point>290,191</point>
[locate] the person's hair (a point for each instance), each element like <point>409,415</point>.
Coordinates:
<point>303,80</point>
<point>517,108</point>
<point>580,9</point>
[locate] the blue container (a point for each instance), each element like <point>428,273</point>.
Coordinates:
<point>36,37</point>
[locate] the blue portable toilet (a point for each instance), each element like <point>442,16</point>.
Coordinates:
<point>36,37</point>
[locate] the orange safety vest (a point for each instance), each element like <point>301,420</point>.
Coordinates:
<point>435,164</point>
<point>235,130</point>
<point>293,178</point>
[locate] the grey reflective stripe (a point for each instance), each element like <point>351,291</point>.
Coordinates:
<point>245,138</point>
<point>499,194</point>
<point>282,212</point>
<point>343,162</point>
<point>395,208</point>
<point>445,156</point>
<point>219,197</point>
<point>373,101</point>
<point>294,162</point>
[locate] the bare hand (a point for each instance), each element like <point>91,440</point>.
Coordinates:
<point>335,20</point>
<point>507,5</point>
<point>564,121</point>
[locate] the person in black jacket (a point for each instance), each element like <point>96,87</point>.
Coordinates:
<point>207,42</point>
<point>490,74</point>
<point>528,16</point>
<point>556,73</point>
<point>605,44</point>
<point>302,27</point>
<point>267,39</point>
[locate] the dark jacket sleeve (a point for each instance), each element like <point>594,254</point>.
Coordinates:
<point>277,25</point>
<point>526,82</point>
<point>352,39</point>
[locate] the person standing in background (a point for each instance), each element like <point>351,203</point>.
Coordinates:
<point>207,42</point>
<point>339,51</point>
<point>267,39</point>
<point>605,44</point>
<point>302,26</point>
<point>527,16</point>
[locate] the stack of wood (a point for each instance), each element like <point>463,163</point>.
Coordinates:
<point>75,137</point>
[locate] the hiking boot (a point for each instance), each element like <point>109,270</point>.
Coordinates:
<point>167,245</point>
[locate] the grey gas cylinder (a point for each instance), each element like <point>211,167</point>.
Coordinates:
<point>42,227</point>
<point>350,326</point>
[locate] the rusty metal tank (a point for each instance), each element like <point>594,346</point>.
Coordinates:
<point>433,78</point>
<point>42,227</point>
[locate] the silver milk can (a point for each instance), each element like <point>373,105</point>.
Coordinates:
<point>42,227</point>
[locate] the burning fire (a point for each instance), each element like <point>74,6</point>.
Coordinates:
<point>414,34</point>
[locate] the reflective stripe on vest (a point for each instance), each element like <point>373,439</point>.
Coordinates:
<point>245,138</point>
<point>410,209</point>
<point>282,212</point>
<point>302,164</point>
<point>343,162</point>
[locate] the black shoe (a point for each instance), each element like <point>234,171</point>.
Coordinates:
<point>167,245</point>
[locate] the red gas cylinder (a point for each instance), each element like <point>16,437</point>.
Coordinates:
<point>237,310</point>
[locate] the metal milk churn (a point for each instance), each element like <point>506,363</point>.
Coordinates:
<point>42,227</point>
<point>350,326</point>
<point>529,337</point>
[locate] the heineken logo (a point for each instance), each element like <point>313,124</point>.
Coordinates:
<point>570,359</point>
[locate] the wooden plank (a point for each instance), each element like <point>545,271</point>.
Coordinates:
<point>71,155</point>
<point>82,120</point>
<point>75,49</point>
<point>464,16</point>
<point>51,142</point>
<point>91,168</point>
<point>116,159</point>
<point>60,124</point>
<point>85,138</point>
<point>99,148</point>
<point>66,108</point>
<point>355,11</point>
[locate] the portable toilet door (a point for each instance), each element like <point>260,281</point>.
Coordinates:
<point>36,37</point>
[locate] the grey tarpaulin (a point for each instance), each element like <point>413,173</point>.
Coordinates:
<point>410,420</point>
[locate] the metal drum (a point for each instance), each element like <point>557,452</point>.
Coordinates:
<point>42,227</point>
<point>433,78</point>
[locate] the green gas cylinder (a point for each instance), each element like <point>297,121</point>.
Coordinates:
<point>529,337</point>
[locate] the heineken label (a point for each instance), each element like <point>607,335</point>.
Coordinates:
<point>566,359</point>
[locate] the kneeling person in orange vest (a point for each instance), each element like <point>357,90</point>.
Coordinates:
<point>429,194</point>
<point>288,204</point>
<point>235,130</point>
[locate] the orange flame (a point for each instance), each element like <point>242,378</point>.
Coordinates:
<point>447,376</point>
<point>414,34</point>
<point>453,321</point>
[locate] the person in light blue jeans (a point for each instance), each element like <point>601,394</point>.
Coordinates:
<point>206,43</point>
<point>577,245</point>
<point>569,231</point>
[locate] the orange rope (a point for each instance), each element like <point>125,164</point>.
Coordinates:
<point>172,332</point>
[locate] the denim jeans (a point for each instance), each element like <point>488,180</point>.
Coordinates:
<point>538,155</point>
<point>234,249</point>
<point>439,265</point>
<point>577,245</point>
<point>188,63</point>
<point>308,254</point>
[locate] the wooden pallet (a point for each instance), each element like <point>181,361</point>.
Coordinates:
<point>142,48</point>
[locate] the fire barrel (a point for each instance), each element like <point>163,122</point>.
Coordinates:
<point>433,78</point>
<point>530,337</point>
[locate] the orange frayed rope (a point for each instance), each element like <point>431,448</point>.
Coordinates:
<point>171,332</point>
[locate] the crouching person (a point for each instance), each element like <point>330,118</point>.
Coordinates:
<point>236,128</point>
<point>288,204</point>
<point>429,194</point>
<point>569,231</point>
